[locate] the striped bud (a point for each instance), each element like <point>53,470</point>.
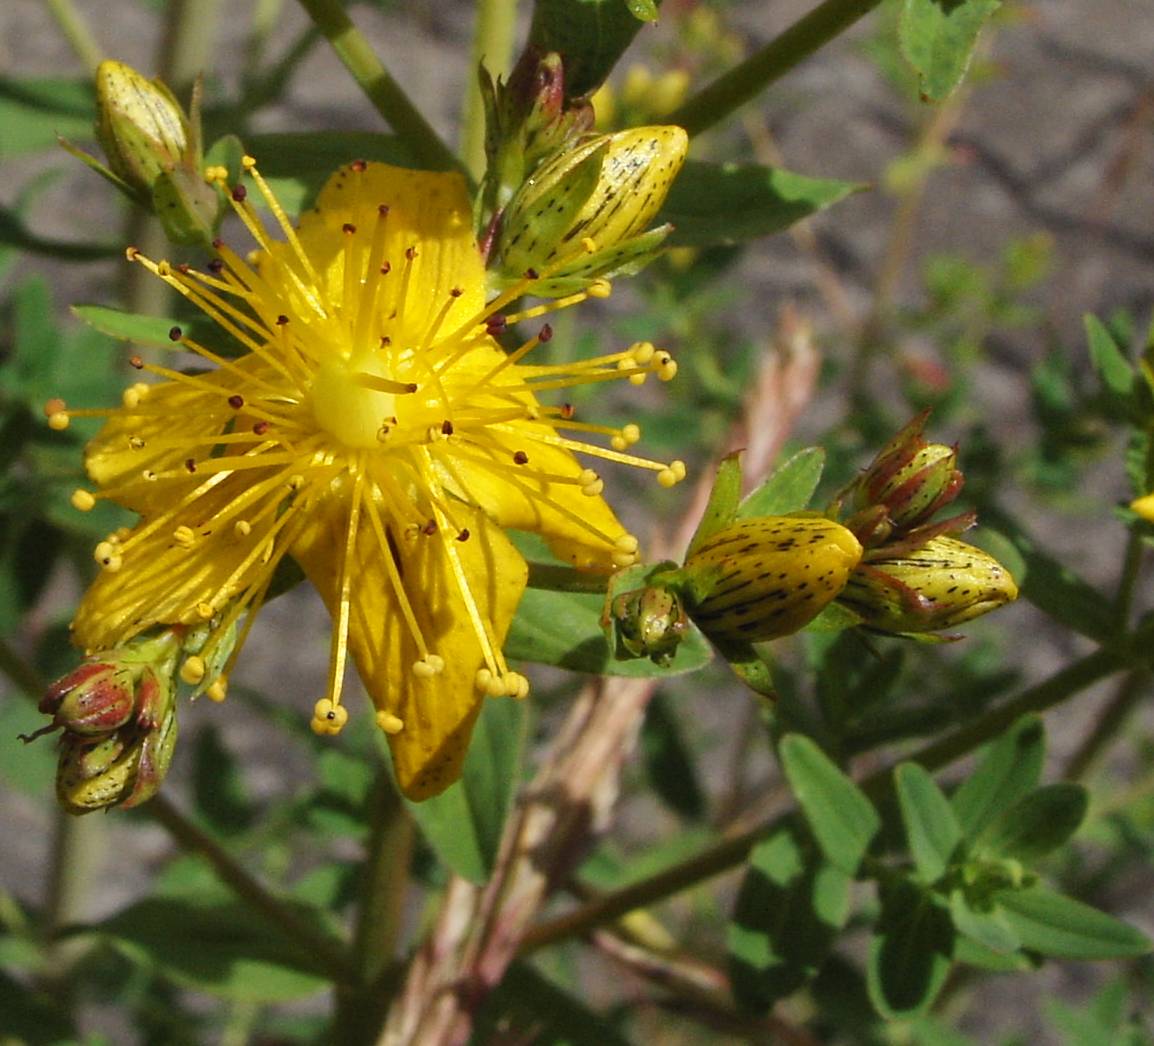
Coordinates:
<point>584,214</point>
<point>768,576</point>
<point>940,585</point>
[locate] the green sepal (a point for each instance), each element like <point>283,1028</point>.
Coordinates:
<point>724,499</point>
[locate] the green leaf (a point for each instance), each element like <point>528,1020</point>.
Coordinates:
<point>564,629</point>
<point>910,953</point>
<point>297,165</point>
<point>218,946</point>
<point>717,204</point>
<point>1055,925</point>
<point>590,35</point>
<point>937,38</point>
<point>14,233</point>
<point>1037,824</point>
<point>528,1007</point>
<point>724,499</point>
<point>989,929</point>
<point>154,330</point>
<point>1116,373</point>
<point>26,768</point>
<point>33,1015</point>
<point>932,830</point>
<point>644,10</point>
<point>1009,769</point>
<point>843,820</point>
<point>34,112</point>
<point>669,761</point>
<point>463,824</point>
<point>788,911</point>
<point>790,487</point>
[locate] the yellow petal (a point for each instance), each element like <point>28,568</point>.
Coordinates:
<point>429,213</point>
<point>581,529</point>
<point>438,713</point>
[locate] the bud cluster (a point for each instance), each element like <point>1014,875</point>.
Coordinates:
<point>117,716</point>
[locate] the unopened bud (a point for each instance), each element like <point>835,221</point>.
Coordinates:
<point>584,213</point>
<point>937,586</point>
<point>648,622</point>
<point>768,576</point>
<point>95,698</point>
<point>910,479</point>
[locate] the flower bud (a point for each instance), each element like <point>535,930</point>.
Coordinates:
<point>139,124</point>
<point>939,585</point>
<point>910,478</point>
<point>648,622</point>
<point>768,576</point>
<point>97,697</point>
<point>583,214</point>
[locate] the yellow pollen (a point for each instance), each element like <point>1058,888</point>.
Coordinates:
<point>389,723</point>
<point>328,718</point>
<point>599,288</point>
<point>428,666</point>
<point>241,528</point>
<point>672,474</point>
<point>205,610</point>
<point>589,245</point>
<point>642,352</point>
<point>59,421</point>
<point>193,670</point>
<point>130,398</point>
<point>108,556</point>
<point>216,174</point>
<point>82,501</point>
<point>218,690</point>
<point>184,536</point>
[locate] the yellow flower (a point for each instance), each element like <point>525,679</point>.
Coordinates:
<point>374,430</point>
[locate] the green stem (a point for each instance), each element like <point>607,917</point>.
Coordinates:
<point>315,943</point>
<point>773,61</point>
<point>733,851</point>
<point>189,38</point>
<point>1131,568</point>
<point>265,15</point>
<point>493,45</point>
<point>380,88</point>
<point>384,889</point>
<point>77,33</point>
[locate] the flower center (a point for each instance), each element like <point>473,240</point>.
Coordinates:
<point>354,400</point>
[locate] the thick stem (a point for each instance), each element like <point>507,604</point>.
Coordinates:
<point>773,61</point>
<point>380,88</point>
<point>384,888</point>
<point>493,45</point>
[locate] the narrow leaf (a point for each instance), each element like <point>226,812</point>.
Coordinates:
<point>1009,769</point>
<point>910,953</point>
<point>937,38</point>
<point>1037,824</point>
<point>156,331</point>
<point>1114,370</point>
<point>463,824</point>
<point>723,501</point>
<point>1058,926</point>
<point>788,911</point>
<point>34,111</point>
<point>842,819</point>
<point>790,487</point>
<point>932,829</point>
<point>711,204</point>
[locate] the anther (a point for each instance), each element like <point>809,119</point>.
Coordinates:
<point>136,443</point>
<point>184,536</point>
<point>164,267</point>
<point>568,412</point>
<point>599,288</point>
<point>383,210</point>
<point>410,253</point>
<point>281,320</point>
<point>239,193</point>
<point>430,528</point>
<point>132,253</point>
<point>184,268</point>
<point>389,723</point>
<point>216,266</point>
<point>82,501</point>
<point>667,367</point>
<point>136,363</point>
<point>190,464</point>
<point>260,428</point>
<point>520,458</point>
<point>206,611</point>
<point>447,427</point>
<point>495,324</point>
<point>348,228</point>
<point>428,666</point>
<point>218,690</point>
<point>175,334</point>
<point>591,483</point>
<point>545,334</point>
<point>242,528</point>
<point>328,718</point>
<point>386,267</point>
<point>463,534</point>
<point>456,292</point>
<point>193,670</point>
<point>673,474</point>
<point>236,401</point>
